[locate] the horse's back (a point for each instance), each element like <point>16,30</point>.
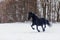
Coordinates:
<point>43,20</point>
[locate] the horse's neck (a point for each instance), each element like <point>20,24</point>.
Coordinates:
<point>35,17</point>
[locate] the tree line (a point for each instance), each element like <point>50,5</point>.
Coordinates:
<point>17,10</point>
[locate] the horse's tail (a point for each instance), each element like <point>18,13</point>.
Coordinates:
<point>48,23</point>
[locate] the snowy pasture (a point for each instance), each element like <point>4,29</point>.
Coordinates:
<point>23,31</point>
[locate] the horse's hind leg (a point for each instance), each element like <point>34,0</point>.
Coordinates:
<point>32,26</point>
<point>37,29</point>
<point>44,26</point>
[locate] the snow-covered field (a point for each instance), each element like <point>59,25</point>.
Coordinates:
<point>23,31</point>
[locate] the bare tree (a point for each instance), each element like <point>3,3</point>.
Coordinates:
<point>58,12</point>
<point>43,4</point>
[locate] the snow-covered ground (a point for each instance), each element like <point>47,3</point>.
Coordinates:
<point>23,31</point>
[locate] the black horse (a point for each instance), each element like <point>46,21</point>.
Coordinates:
<point>38,21</point>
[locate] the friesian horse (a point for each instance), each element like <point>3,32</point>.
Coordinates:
<point>38,21</point>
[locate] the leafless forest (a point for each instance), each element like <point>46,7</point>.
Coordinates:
<point>17,10</point>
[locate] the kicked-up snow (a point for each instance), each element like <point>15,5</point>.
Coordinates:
<point>23,31</point>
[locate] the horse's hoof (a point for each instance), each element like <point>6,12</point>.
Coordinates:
<point>33,28</point>
<point>38,31</point>
<point>43,30</point>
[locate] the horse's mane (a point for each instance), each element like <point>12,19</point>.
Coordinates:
<point>35,15</point>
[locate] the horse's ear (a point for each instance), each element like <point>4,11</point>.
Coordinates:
<point>30,12</point>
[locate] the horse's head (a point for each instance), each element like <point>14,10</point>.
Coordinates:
<point>30,14</point>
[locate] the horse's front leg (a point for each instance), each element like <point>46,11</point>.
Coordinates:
<point>37,29</point>
<point>43,28</point>
<point>32,26</point>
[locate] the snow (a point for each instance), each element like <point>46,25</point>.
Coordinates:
<point>23,31</point>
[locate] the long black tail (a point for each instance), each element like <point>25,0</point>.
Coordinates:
<point>48,23</point>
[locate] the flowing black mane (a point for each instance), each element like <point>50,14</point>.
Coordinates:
<point>38,21</point>
<point>34,17</point>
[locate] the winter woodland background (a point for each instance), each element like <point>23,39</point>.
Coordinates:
<point>17,10</point>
